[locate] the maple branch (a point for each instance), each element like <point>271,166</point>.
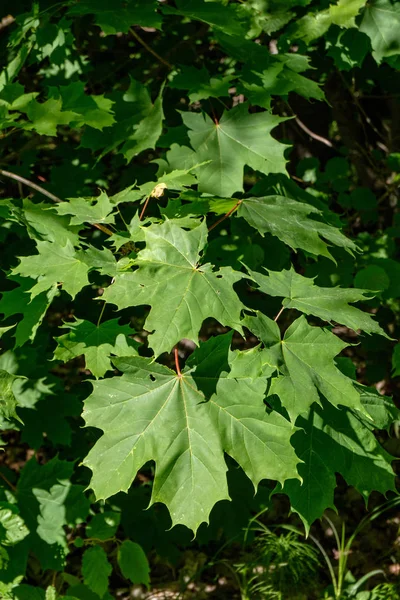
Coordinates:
<point>30,184</point>
<point>228,214</point>
<point>313,135</point>
<point>41,190</point>
<point>4,478</point>
<point>178,369</point>
<point>150,49</point>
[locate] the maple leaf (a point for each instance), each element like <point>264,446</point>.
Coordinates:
<point>200,85</point>
<point>381,22</point>
<point>47,116</point>
<point>43,223</point>
<point>238,139</point>
<point>119,16</point>
<point>8,402</point>
<point>225,18</point>
<point>52,265</point>
<point>92,110</point>
<point>17,302</point>
<point>181,292</point>
<point>332,441</point>
<point>329,304</point>
<point>289,220</point>
<point>185,423</point>
<point>96,343</point>
<point>87,210</point>
<point>305,358</point>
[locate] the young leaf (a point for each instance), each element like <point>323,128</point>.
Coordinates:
<point>238,139</point>
<point>96,343</point>
<point>133,563</point>
<point>329,304</point>
<point>185,423</point>
<point>181,292</point>
<point>52,265</point>
<point>87,210</point>
<point>96,570</point>
<point>47,116</point>
<point>8,402</point>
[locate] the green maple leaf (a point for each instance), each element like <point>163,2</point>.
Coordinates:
<point>147,131</point>
<point>94,111</point>
<point>200,85</point>
<point>96,343</point>
<point>47,116</point>
<point>119,16</point>
<point>305,358</point>
<point>224,18</point>
<point>329,304</point>
<point>289,220</point>
<point>332,441</point>
<point>381,22</point>
<point>181,292</point>
<point>14,529</point>
<point>238,139</point>
<point>185,423</point>
<point>52,265</point>
<point>314,25</point>
<point>87,210</point>
<point>44,224</point>
<point>33,311</point>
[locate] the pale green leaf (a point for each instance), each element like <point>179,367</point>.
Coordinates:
<point>47,116</point>
<point>87,210</point>
<point>52,265</point>
<point>8,402</point>
<point>96,343</point>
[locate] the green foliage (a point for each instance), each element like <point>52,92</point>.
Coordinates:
<point>177,237</point>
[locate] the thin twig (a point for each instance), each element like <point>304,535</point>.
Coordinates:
<point>41,190</point>
<point>313,135</point>
<point>4,478</point>
<point>279,314</point>
<point>228,214</point>
<point>178,369</point>
<point>30,184</point>
<point>150,49</point>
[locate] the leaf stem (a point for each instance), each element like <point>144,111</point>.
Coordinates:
<point>279,314</point>
<point>144,207</point>
<point>41,190</point>
<point>4,478</point>
<point>150,49</point>
<point>178,369</point>
<point>101,313</point>
<point>228,214</point>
